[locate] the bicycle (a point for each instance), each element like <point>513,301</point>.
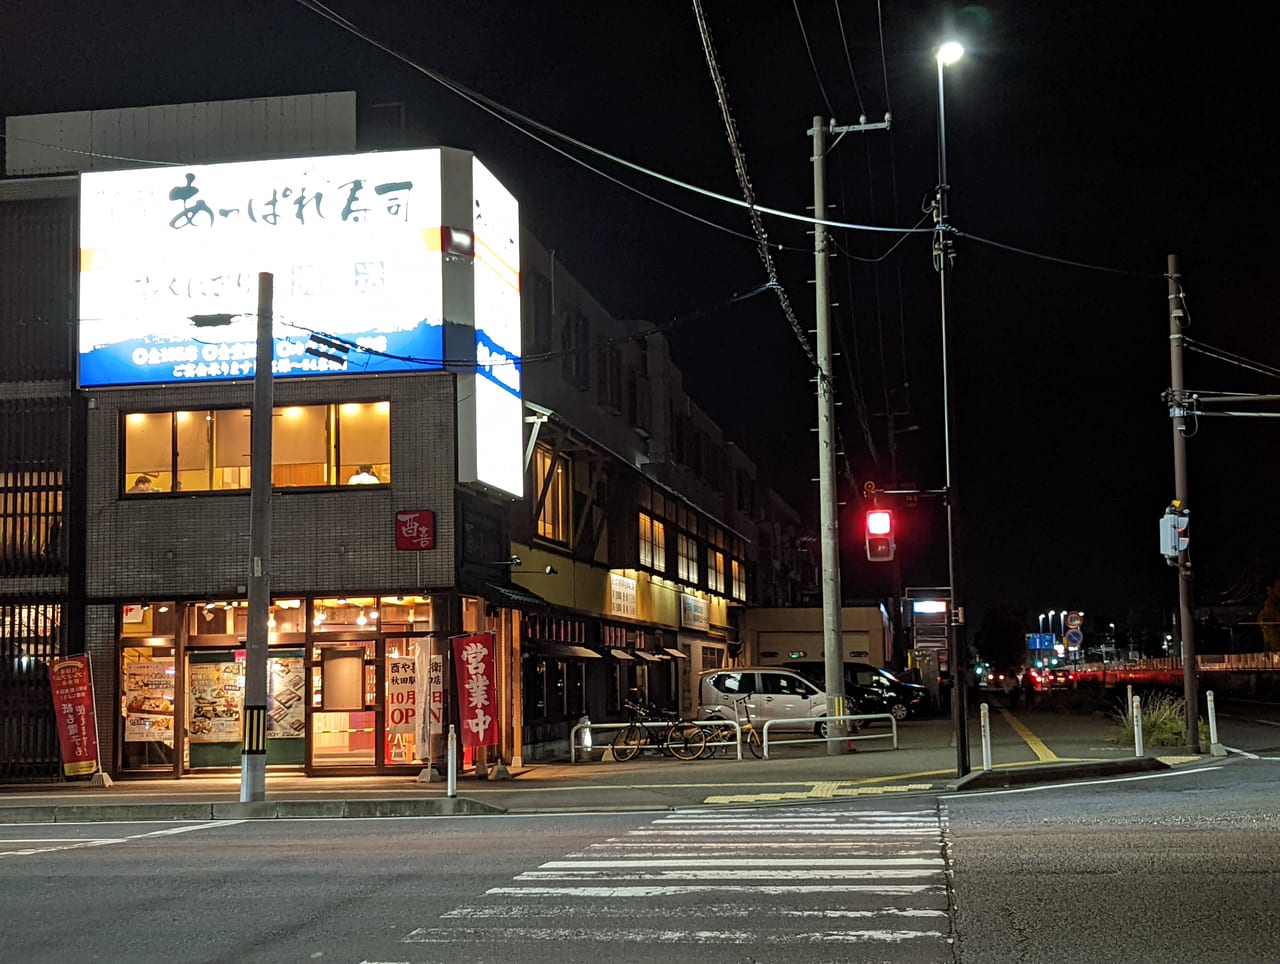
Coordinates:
<point>649,727</point>
<point>724,736</point>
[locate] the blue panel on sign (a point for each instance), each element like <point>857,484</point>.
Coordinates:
<point>1040,640</point>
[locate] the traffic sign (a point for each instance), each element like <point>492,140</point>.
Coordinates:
<point>1074,620</point>
<point>1074,638</point>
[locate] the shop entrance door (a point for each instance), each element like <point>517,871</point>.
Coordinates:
<point>345,710</point>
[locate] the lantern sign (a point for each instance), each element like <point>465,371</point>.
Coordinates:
<point>473,657</point>
<point>72,690</point>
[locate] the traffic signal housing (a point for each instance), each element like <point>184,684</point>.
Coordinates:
<point>879,534</point>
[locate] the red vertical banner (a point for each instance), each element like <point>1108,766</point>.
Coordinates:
<point>473,660</point>
<point>73,705</point>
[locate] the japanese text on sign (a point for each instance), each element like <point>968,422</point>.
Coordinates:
<point>473,657</point>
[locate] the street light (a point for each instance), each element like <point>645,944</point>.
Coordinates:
<point>943,254</point>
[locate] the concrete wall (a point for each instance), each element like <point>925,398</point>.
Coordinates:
<point>769,636</point>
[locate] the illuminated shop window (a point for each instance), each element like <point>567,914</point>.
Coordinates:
<point>715,571</point>
<point>653,543</point>
<point>208,450</point>
<point>554,521</point>
<point>687,558</point>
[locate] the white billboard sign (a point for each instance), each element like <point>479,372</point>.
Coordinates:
<point>349,240</point>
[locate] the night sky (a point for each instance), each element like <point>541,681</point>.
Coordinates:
<point>1110,134</point>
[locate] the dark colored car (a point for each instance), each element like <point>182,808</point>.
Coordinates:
<point>875,690</point>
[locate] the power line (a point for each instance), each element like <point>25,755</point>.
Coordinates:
<point>813,63</point>
<point>508,116</point>
<point>844,39</point>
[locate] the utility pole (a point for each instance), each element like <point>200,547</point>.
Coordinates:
<point>253,760</point>
<point>1177,410</point>
<point>832,627</point>
<point>832,623</point>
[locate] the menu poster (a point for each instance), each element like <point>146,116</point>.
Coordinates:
<point>148,701</point>
<point>217,699</point>
<point>286,707</point>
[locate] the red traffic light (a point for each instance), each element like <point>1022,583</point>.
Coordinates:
<point>880,544</point>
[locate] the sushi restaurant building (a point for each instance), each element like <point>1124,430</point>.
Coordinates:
<point>396,447</point>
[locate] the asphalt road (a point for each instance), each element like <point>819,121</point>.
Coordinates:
<point>1180,865</point>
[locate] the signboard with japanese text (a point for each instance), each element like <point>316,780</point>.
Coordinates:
<point>72,690</point>
<point>473,659</point>
<point>695,613</point>
<point>497,458</point>
<point>622,596</point>
<point>286,703</point>
<point>346,237</point>
<point>216,694</point>
<point>431,690</point>
<point>148,701</point>
<point>416,531</point>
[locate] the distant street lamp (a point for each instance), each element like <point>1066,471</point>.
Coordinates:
<point>943,254</point>
<point>1042,622</point>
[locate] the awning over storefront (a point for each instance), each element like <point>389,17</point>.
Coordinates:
<point>622,654</point>
<point>563,651</point>
<point>505,594</point>
<point>675,652</point>
<point>649,657</point>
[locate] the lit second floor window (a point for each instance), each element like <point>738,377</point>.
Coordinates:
<point>715,571</point>
<point>653,543</point>
<point>687,560</point>
<point>554,519</point>
<point>739,574</point>
<point>208,450</point>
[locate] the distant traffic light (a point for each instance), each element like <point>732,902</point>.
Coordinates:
<point>880,545</point>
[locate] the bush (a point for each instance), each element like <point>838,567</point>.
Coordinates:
<point>1163,722</point>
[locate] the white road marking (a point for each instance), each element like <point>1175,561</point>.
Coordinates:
<point>1082,783</point>
<point>62,844</point>
<point>745,862</point>
<point>1243,753</point>
<point>801,873</point>
<point>450,935</point>
<point>882,890</point>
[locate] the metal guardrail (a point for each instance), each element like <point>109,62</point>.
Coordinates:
<point>576,744</point>
<point>812,720</point>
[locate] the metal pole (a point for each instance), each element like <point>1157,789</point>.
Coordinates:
<point>941,263</point>
<point>451,787</point>
<point>1213,718</point>
<point>986,737</point>
<point>253,761</point>
<point>1186,617</point>
<point>1138,748</point>
<point>832,635</point>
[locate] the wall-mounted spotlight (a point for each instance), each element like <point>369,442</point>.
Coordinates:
<point>547,571</point>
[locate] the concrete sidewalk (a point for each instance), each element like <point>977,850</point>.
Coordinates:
<point>1027,746</point>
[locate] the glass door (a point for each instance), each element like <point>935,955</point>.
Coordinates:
<point>344,703</point>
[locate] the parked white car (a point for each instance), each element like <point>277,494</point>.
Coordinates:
<point>770,694</point>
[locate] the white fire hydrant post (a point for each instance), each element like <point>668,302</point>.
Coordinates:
<point>985,714</point>
<point>1138,749</point>
<point>1215,748</point>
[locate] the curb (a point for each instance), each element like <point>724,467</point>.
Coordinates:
<point>1051,772</point>
<point>256,810</point>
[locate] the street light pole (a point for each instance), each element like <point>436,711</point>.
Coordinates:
<point>253,760</point>
<point>943,254</point>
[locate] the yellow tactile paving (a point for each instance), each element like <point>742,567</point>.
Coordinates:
<point>827,790</point>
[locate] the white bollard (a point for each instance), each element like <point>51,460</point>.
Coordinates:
<point>1215,748</point>
<point>1138,748</point>
<point>985,714</point>
<point>452,786</point>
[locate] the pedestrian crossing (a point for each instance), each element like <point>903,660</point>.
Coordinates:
<point>821,885</point>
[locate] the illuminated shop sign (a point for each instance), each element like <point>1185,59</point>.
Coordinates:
<point>385,262</point>
<point>348,240</point>
<point>493,454</point>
